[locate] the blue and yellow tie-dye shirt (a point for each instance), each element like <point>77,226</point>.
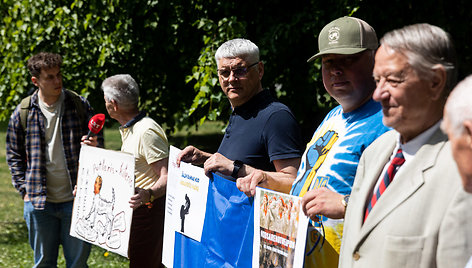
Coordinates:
<point>330,160</point>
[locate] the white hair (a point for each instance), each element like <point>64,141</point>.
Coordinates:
<point>425,46</point>
<point>123,89</point>
<point>459,106</point>
<point>238,48</point>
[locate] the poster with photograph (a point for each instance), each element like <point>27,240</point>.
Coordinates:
<point>105,184</point>
<point>280,228</point>
<point>186,198</point>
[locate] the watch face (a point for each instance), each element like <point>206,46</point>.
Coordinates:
<point>237,164</point>
<point>346,199</point>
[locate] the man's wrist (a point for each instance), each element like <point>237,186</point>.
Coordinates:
<point>237,164</point>
<point>345,202</point>
<point>151,195</point>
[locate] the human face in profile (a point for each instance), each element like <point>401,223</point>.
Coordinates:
<point>409,101</point>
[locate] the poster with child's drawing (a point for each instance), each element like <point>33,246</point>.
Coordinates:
<point>105,184</point>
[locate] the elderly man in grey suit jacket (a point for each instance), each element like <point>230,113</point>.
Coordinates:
<point>407,207</point>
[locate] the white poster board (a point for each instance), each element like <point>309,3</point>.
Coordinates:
<point>186,198</point>
<point>280,228</point>
<point>101,213</point>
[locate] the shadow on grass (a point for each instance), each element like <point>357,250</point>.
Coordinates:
<point>13,232</point>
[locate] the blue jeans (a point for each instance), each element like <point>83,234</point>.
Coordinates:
<point>48,229</point>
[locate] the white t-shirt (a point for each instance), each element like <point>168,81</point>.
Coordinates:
<point>59,188</point>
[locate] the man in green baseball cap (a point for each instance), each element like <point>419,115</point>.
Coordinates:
<point>346,35</point>
<point>326,174</point>
<point>325,177</point>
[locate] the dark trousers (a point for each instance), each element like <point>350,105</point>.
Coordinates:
<point>147,233</point>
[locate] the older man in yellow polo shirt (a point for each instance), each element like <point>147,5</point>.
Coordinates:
<point>146,140</point>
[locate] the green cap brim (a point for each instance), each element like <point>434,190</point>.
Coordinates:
<point>342,51</point>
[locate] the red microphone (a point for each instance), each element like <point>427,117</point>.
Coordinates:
<point>95,124</point>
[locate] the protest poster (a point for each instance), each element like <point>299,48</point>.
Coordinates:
<point>101,213</point>
<point>186,198</point>
<point>280,229</point>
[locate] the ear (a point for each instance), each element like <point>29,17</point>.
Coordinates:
<point>438,81</point>
<point>35,81</point>
<point>260,65</point>
<point>468,131</point>
<point>115,105</point>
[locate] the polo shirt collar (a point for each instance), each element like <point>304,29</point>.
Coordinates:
<point>260,100</point>
<point>133,121</point>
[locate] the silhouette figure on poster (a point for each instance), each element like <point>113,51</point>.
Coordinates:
<point>184,211</point>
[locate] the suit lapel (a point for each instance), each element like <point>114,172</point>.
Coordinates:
<point>371,171</point>
<point>406,182</point>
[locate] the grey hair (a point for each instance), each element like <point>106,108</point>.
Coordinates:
<point>123,89</point>
<point>238,47</point>
<point>459,106</point>
<point>425,46</point>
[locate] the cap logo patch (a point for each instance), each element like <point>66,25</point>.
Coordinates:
<point>333,35</point>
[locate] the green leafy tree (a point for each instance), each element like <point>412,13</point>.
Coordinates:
<point>168,47</point>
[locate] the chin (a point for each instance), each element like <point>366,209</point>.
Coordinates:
<point>388,121</point>
<point>467,183</point>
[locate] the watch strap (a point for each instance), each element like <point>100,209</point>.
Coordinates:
<point>151,195</point>
<point>237,164</point>
<point>345,200</point>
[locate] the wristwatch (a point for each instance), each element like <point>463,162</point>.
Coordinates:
<point>237,164</point>
<point>345,200</point>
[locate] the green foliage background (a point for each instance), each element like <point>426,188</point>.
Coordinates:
<point>168,47</point>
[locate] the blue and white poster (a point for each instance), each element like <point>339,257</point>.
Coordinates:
<point>235,228</point>
<point>186,198</point>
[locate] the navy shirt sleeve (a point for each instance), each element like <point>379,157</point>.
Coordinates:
<point>282,136</point>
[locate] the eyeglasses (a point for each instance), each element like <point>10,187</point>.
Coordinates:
<point>237,72</point>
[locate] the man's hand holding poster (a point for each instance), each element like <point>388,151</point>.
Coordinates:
<point>186,198</point>
<point>101,214</point>
<point>279,230</point>
<point>202,216</point>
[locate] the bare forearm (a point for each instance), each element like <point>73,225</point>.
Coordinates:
<point>159,188</point>
<point>160,167</point>
<point>281,180</point>
<point>278,181</point>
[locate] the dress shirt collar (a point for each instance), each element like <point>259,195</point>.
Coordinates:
<point>410,148</point>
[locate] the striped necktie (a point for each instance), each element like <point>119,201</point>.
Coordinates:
<point>395,164</point>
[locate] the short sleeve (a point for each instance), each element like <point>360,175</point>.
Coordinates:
<point>154,145</point>
<point>282,136</point>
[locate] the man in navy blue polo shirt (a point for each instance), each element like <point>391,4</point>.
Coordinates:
<point>262,133</point>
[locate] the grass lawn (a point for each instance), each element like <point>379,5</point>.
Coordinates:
<point>15,250</point>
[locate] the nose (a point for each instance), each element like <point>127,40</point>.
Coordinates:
<point>336,68</point>
<point>58,79</point>
<point>232,76</point>
<point>380,91</point>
